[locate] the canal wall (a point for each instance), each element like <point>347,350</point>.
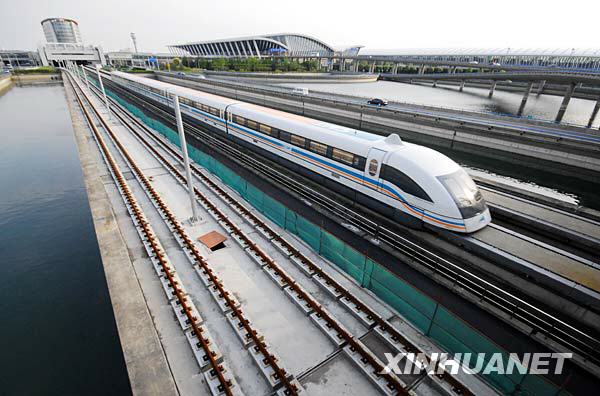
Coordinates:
<point>147,367</point>
<point>37,79</point>
<point>5,84</point>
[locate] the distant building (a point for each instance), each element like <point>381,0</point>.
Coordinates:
<point>17,58</point>
<point>139,59</point>
<point>287,44</point>
<point>64,44</point>
<point>61,30</point>
<point>348,51</point>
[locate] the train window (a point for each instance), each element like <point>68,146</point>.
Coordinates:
<point>265,129</point>
<point>373,165</point>
<point>318,148</point>
<point>285,136</point>
<point>342,156</point>
<point>298,140</point>
<point>252,124</point>
<point>214,111</point>
<point>359,162</point>
<point>239,120</point>
<point>404,182</point>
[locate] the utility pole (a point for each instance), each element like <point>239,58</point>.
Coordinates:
<point>186,160</point>
<point>102,89</point>
<point>134,42</point>
<point>87,83</point>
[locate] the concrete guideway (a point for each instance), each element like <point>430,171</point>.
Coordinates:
<point>579,229</point>
<point>169,191</point>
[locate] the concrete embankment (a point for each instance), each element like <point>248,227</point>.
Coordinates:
<point>5,84</point>
<point>37,79</point>
<point>293,77</point>
<point>147,366</point>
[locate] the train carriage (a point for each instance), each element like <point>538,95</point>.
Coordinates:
<point>403,181</point>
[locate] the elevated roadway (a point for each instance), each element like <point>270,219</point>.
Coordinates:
<point>538,75</point>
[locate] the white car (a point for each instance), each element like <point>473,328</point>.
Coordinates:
<point>300,91</point>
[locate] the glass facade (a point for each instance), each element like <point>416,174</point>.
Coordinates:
<point>60,30</point>
<point>269,45</point>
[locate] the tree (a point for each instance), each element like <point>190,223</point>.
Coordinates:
<point>219,64</point>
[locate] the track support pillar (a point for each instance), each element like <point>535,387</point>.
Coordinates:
<point>594,113</point>
<point>525,97</point>
<point>492,88</point>
<point>102,89</point>
<point>565,103</point>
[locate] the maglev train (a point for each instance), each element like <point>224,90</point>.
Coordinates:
<point>405,182</point>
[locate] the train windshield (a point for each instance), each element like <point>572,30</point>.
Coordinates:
<point>465,193</point>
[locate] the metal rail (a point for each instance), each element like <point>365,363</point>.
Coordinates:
<point>377,368</point>
<point>151,239</point>
<point>373,319</point>
<point>259,343</point>
<point>542,322</point>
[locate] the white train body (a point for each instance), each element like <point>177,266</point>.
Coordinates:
<point>417,181</point>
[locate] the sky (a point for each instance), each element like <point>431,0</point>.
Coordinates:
<point>374,24</point>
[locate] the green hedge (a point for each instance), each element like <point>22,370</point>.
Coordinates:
<point>38,70</point>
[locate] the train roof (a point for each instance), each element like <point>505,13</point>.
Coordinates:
<point>349,139</point>
<point>207,98</point>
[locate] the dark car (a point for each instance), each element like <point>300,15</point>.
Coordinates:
<point>378,102</point>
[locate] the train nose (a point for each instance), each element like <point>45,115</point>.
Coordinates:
<point>476,223</point>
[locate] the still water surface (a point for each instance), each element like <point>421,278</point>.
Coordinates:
<point>472,99</point>
<point>57,333</point>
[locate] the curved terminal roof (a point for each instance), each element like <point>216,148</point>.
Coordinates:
<point>291,44</point>
<point>59,20</point>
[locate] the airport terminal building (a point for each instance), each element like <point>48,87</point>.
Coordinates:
<point>288,44</point>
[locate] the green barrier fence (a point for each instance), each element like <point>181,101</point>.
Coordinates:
<point>447,330</point>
